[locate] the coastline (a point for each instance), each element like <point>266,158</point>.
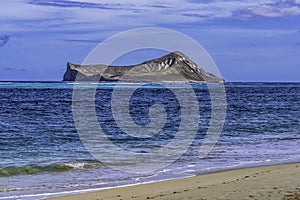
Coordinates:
<point>266,182</point>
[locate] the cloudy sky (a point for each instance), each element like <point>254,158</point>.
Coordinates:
<point>250,40</point>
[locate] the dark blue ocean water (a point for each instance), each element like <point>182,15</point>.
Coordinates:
<point>43,155</point>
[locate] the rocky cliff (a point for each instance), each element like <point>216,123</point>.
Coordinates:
<point>172,67</point>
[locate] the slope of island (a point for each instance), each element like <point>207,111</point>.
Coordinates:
<point>174,66</point>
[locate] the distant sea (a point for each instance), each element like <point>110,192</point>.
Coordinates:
<point>41,154</point>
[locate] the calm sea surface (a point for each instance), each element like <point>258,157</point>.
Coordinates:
<point>42,154</point>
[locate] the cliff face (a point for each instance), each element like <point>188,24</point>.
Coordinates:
<point>172,67</point>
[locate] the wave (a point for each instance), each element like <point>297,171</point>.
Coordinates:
<point>5,83</point>
<point>56,167</point>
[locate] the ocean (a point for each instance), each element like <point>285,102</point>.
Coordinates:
<point>44,151</point>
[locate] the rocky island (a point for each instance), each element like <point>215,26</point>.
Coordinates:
<point>174,66</point>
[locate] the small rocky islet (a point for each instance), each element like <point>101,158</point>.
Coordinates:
<point>173,67</point>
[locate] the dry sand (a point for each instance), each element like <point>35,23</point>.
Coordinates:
<point>269,182</point>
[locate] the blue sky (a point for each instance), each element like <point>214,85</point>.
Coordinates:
<point>250,40</point>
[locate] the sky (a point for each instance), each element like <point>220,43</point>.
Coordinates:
<point>249,40</point>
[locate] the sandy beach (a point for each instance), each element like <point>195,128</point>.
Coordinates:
<point>267,182</point>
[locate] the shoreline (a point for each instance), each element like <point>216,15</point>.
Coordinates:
<point>281,181</point>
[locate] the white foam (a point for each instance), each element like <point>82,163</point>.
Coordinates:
<point>55,194</point>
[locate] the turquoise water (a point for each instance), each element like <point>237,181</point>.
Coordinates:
<point>42,155</point>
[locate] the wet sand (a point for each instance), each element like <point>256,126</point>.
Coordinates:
<point>268,182</point>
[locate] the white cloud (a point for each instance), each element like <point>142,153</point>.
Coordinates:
<point>19,10</point>
<point>33,15</point>
<point>271,9</point>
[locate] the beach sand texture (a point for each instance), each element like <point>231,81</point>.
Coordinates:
<point>267,182</point>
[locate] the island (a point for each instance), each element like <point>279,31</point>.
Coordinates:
<point>174,66</point>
